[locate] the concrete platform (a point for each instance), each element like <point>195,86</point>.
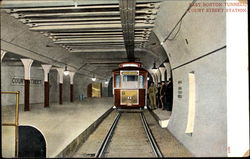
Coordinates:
<point>162,116</point>
<point>62,124</point>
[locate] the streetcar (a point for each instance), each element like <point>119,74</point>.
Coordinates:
<point>130,86</point>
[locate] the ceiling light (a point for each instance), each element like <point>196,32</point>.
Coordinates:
<point>154,69</point>
<point>106,82</point>
<point>93,78</point>
<point>66,72</point>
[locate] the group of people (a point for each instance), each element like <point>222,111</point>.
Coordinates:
<point>161,96</point>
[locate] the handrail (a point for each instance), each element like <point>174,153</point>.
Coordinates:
<point>16,124</point>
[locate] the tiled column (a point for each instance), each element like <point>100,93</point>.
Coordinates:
<point>2,54</point>
<point>46,69</point>
<point>27,66</point>
<point>152,75</point>
<point>158,74</point>
<point>71,75</point>
<point>162,71</point>
<point>168,68</point>
<point>60,73</point>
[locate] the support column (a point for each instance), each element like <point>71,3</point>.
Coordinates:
<point>168,68</point>
<point>60,73</point>
<point>27,66</point>
<point>2,54</point>
<point>158,75</point>
<point>162,71</point>
<point>153,76</point>
<point>71,75</point>
<point>46,69</point>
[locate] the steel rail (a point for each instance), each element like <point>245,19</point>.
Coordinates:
<point>94,45</point>
<point>104,144</point>
<point>90,34</point>
<point>7,4</point>
<point>104,45</point>
<point>72,19</point>
<point>73,14</point>
<point>86,27</point>
<point>95,36</point>
<point>149,5</point>
<point>96,41</point>
<point>101,30</point>
<point>97,50</point>
<point>76,14</point>
<point>151,137</point>
<point>86,23</point>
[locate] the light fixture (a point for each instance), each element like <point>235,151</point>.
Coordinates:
<point>162,42</point>
<point>66,72</point>
<point>106,82</point>
<point>93,78</point>
<point>154,69</point>
<point>148,78</point>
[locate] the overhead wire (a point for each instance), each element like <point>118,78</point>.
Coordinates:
<point>191,4</point>
<point>176,32</point>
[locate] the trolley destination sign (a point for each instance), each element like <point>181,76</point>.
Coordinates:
<point>129,72</point>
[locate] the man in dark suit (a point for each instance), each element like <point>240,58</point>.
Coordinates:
<point>163,95</point>
<point>169,95</point>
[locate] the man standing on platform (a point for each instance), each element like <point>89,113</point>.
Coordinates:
<point>163,95</point>
<point>152,95</point>
<point>158,102</point>
<point>169,96</point>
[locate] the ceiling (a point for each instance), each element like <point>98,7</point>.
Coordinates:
<point>92,36</point>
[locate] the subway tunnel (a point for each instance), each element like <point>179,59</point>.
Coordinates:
<point>58,57</point>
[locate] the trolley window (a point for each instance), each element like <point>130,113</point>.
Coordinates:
<point>117,81</point>
<point>130,78</point>
<point>141,81</point>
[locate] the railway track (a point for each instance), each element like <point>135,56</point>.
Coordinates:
<point>129,136</point>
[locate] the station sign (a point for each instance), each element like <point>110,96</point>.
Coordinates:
<point>19,81</point>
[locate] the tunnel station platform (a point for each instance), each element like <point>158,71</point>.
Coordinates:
<point>162,116</point>
<point>63,125</point>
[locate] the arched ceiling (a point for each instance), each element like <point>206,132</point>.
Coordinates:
<point>87,35</point>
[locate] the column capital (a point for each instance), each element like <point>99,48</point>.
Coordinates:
<point>152,71</point>
<point>60,73</point>
<point>46,69</point>
<point>152,75</point>
<point>71,75</point>
<point>27,66</point>
<point>166,64</point>
<point>158,75</point>
<point>168,68</point>
<point>2,54</point>
<point>162,71</point>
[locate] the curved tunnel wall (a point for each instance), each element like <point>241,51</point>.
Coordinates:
<point>199,47</point>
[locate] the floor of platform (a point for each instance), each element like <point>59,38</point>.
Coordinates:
<point>61,124</point>
<point>162,116</point>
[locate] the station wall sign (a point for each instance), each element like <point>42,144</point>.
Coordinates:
<point>180,89</point>
<point>19,81</point>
